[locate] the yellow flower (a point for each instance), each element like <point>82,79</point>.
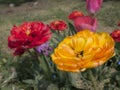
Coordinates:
<point>84,50</point>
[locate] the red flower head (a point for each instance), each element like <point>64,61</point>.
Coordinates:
<point>58,25</point>
<point>93,5</point>
<point>116,35</point>
<point>85,22</point>
<point>28,35</point>
<point>119,23</point>
<point>75,14</point>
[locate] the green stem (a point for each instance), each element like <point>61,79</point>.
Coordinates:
<point>62,76</point>
<point>30,52</point>
<point>58,32</point>
<point>34,55</point>
<point>35,61</point>
<point>45,66</point>
<point>35,87</point>
<point>93,80</point>
<point>66,78</point>
<point>41,60</point>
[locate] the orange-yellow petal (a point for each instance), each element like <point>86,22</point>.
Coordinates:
<point>83,50</point>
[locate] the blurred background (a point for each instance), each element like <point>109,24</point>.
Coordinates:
<point>14,12</point>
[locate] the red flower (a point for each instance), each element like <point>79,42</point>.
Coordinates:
<point>116,35</point>
<point>85,22</point>
<point>19,51</point>
<point>58,25</point>
<point>75,14</point>
<point>28,35</point>
<point>119,23</point>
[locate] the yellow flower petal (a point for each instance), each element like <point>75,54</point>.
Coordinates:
<point>84,50</point>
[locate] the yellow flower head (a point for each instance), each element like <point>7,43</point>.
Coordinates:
<point>84,50</point>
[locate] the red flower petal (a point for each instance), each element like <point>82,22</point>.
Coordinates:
<point>116,35</point>
<point>119,23</point>
<point>75,14</point>
<point>58,25</point>
<point>19,51</point>
<point>28,35</point>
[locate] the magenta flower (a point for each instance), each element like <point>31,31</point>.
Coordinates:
<point>93,5</point>
<point>85,22</point>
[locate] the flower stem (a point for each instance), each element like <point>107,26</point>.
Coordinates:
<point>93,80</point>
<point>45,66</point>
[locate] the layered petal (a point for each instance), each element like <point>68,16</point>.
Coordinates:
<point>116,35</point>
<point>84,50</point>
<point>28,35</point>
<point>59,25</point>
<point>75,14</point>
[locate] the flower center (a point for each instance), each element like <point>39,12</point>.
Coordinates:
<point>80,54</point>
<point>57,22</point>
<point>28,32</point>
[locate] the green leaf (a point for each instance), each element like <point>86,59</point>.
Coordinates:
<point>44,64</point>
<point>72,29</point>
<point>29,81</point>
<point>115,78</point>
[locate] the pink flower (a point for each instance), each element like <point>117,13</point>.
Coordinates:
<point>93,5</point>
<point>85,22</point>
